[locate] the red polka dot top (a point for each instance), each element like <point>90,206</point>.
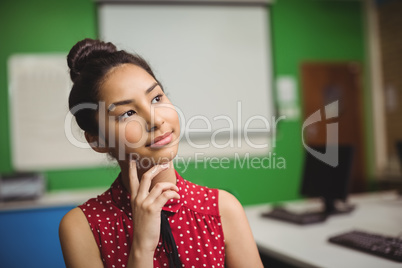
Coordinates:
<point>194,220</point>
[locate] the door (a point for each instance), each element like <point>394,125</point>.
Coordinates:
<point>324,83</point>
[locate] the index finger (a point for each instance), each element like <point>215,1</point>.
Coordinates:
<point>134,182</point>
<point>146,179</point>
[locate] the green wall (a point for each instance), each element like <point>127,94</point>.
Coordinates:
<point>301,30</point>
<point>316,30</point>
<point>36,27</point>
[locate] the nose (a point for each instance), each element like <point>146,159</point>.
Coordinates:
<point>153,119</point>
<point>150,129</point>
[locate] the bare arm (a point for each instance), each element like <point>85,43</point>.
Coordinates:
<point>241,249</point>
<point>77,241</point>
<point>80,249</point>
<point>147,206</point>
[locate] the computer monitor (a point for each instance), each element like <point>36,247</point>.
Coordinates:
<point>330,183</point>
<point>399,150</point>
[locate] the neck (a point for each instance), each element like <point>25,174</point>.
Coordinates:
<point>167,175</point>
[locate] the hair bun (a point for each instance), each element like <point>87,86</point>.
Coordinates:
<point>81,53</point>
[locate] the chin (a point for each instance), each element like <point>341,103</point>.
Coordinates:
<point>155,157</point>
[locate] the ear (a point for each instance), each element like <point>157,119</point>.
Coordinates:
<point>97,143</point>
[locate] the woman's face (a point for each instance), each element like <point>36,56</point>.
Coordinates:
<point>139,120</point>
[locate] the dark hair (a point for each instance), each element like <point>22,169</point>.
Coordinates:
<point>90,61</point>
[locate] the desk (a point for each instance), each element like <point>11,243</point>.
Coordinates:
<point>307,246</point>
<point>53,199</point>
<point>29,229</point>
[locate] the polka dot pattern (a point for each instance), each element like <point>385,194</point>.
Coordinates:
<point>194,220</point>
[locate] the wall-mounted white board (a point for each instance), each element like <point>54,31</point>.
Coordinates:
<point>214,61</point>
<point>44,135</point>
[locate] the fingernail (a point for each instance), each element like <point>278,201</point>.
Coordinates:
<point>166,165</point>
<point>154,170</point>
<point>132,163</point>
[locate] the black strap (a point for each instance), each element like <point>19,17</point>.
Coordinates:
<point>168,242</point>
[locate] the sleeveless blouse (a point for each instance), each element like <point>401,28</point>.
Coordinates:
<point>194,219</point>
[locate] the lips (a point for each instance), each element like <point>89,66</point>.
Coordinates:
<point>161,140</point>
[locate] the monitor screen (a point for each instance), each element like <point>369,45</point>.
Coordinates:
<point>322,180</point>
<point>399,150</point>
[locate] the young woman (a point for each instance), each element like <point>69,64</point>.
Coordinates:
<point>150,216</point>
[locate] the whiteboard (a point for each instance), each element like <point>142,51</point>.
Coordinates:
<point>44,135</point>
<point>214,61</point>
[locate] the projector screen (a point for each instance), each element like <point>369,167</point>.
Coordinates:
<point>214,62</point>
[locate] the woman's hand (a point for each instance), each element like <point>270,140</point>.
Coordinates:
<point>147,205</point>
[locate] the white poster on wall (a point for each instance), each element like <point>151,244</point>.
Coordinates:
<point>39,86</point>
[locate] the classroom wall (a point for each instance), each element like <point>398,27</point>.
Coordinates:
<point>301,30</point>
<point>390,20</point>
<point>44,26</point>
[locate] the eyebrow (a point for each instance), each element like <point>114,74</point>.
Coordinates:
<point>124,102</point>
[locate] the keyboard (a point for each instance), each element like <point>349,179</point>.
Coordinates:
<point>298,218</point>
<point>375,244</point>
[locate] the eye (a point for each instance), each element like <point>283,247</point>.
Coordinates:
<point>127,114</point>
<point>157,99</point>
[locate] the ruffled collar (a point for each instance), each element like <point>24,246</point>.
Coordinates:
<point>122,197</point>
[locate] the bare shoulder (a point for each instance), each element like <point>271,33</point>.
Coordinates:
<point>75,215</point>
<point>240,247</point>
<point>228,204</point>
<point>74,221</point>
<point>77,241</point>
